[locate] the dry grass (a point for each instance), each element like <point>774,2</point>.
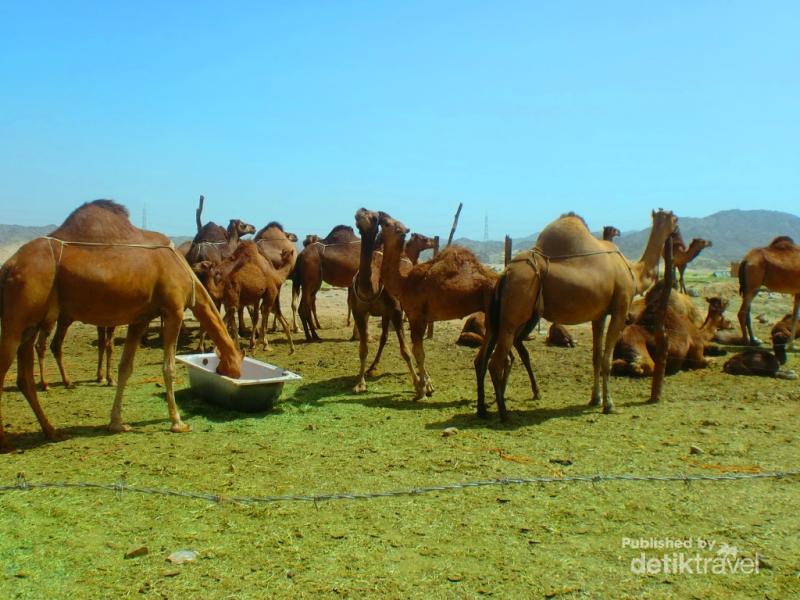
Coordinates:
<point>520,541</point>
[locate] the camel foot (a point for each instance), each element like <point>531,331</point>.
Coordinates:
<point>596,401</point>
<point>6,448</point>
<point>428,389</point>
<point>483,413</point>
<point>610,409</point>
<point>180,427</point>
<point>118,427</point>
<point>537,396</point>
<point>69,385</point>
<point>373,372</point>
<point>54,435</point>
<point>44,387</point>
<point>291,350</point>
<point>360,387</point>
<point>755,341</point>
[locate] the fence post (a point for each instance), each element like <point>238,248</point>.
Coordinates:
<point>507,251</point>
<point>662,340</point>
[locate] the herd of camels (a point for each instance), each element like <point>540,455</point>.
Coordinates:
<point>99,269</point>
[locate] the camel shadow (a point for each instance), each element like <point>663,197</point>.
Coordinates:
<point>31,440</point>
<point>517,419</point>
<point>340,390</point>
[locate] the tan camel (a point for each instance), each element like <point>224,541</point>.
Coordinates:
<point>569,277</point>
<point>246,278</point>
<point>634,352</point>
<point>333,260</point>
<point>416,244</point>
<point>100,269</point>
<point>368,297</point>
<point>451,285</point>
<point>776,267</point>
<point>105,343</point>
<point>682,256</point>
<point>214,243</point>
<point>610,232</point>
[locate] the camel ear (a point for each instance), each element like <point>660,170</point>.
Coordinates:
<point>291,237</point>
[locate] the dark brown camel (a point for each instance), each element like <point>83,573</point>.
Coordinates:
<point>100,269</point>
<point>610,232</point>
<point>333,260</point>
<point>755,361</point>
<point>569,277</point>
<point>214,243</point>
<point>558,335</point>
<point>105,339</point>
<point>368,297</point>
<point>309,239</point>
<point>473,331</point>
<point>776,267</point>
<point>451,285</point>
<point>246,278</point>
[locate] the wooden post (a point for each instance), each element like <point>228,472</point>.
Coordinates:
<point>455,224</point>
<point>507,252</point>
<point>429,332</point>
<point>662,337</point>
<point>199,214</point>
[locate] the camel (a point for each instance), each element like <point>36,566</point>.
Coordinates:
<point>634,352</point>
<point>416,244</point>
<point>756,361</point>
<point>100,269</point>
<point>559,336</point>
<point>333,260</point>
<point>473,331</point>
<point>781,334</point>
<point>776,267</point>
<point>246,278</point>
<point>682,256</point>
<point>451,285</point>
<point>214,243</point>
<point>105,343</point>
<point>610,232</point>
<point>569,277</point>
<point>369,298</point>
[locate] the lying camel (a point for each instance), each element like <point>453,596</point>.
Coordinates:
<point>755,361</point>
<point>100,269</point>
<point>559,336</point>
<point>634,352</point>
<point>473,331</point>
<point>246,278</point>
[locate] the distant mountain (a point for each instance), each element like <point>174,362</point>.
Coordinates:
<point>22,233</point>
<point>732,232</point>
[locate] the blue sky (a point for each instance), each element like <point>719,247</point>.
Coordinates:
<point>304,111</point>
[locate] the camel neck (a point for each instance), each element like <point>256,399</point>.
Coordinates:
<point>390,267</point>
<point>645,268</point>
<point>211,322</point>
<point>364,280</point>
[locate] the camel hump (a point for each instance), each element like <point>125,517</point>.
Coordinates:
<point>340,234</point>
<point>569,235</point>
<point>782,242</point>
<point>101,221</point>
<point>211,232</point>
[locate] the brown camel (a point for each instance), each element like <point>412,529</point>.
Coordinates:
<point>755,361</point>
<point>100,269</point>
<point>105,343</point>
<point>451,285</point>
<point>246,278</point>
<point>273,241</point>
<point>559,336</point>
<point>610,232</point>
<point>781,334</point>
<point>333,260</point>
<point>368,297</point>
<point>416,244</point>
<point>776,267</point>
<point>311,238</point>
<point>473,331</point>
<point>569,277</point>
<point>214,243</point>
<point>634,352</point>
<point>682,256</point>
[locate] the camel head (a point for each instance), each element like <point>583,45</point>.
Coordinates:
<point>422,242</point>
<point>610,232</point>
<point>240,228</point>
<point>664,224</point>
<point>367,222</point>
<point>716,312</point>
<point>700,243</point>
<point>230,365</point>
<point>292,237</point>
<point>286,255</point>
<point>392,231</point>
<point>311,238</point>
<point>780,337</point>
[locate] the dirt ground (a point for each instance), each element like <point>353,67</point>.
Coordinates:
<point>525,540</point>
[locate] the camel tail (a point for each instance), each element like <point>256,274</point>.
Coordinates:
<point>3,276</point>
<point>297,276</point>
<point>742,278</point>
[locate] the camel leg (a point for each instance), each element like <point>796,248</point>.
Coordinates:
<point>744,317</point>
<point>242,330</point>
<point>172,327</point>
<point>253,310</point>
<point>790,343</point>
<point>41,350</point>
<point>500,368</point>
<point>314,312</point>
<point>597,359</point>
<point>287,331</point>
<point>307,313</point>
<point>424,386</point>
<point>397,323</point>
<point>681,271</point>
<point>615,326</point>
<point>525,357</point>
<point>362,323</point>
<point>373,368</point>
<point>135,331</point>
<point>57,348</point>
<point>109,351</point>
<point>266,305</point>
<point>27,384</point>
<point>429,334</point>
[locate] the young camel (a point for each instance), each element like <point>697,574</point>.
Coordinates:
<point>100,269</point>
<point>635,350</point>
<point>568,277</point>
<point>776,267</point>
<point>756,361</point>
<point>333,260</point>
<point>214,243</point>
<point>246,278</point>
<point>451,285</point>
<point>682,256</point>
<point>105,343</point>
<point>369,298</point>
<point>558,335</point>
<point>273,242</point>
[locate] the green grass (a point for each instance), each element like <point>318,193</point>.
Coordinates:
<point>557,540</point>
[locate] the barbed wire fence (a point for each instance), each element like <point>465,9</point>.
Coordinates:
<point>120,487</point>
